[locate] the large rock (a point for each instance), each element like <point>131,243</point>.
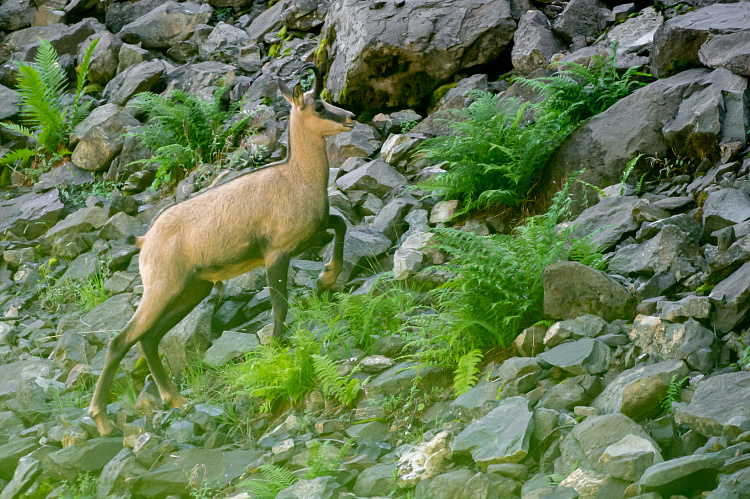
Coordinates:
<point>690,341</point>
<point>8,102</point>
<point>361,142</point>
<point>398,54</point>
<point>83,220</point>
<point>634,37</point>
<point>16,14</point>
<point>671,248</point>
<point>533,43</point>
<point>678,41</point>
<point>731,299</point>
<point>378,480</point>
<point>67,463</point>
<point>66,40</point>
<point>315,488</point>
<point>637,392</point>
<point>224,43</point>
<point>14,373</point>
<point>104,59</point>
<point>593,485</point>
<point>229,346</point>
<point>691,112</point>
<point>572,289</point>
<point>629,458</point>
<point>303,15</point>
<point>142,77</point>
<point>684,475</point>
<point>189,337</point>
<point>362,245</point>
<point>502,436</point>
<point>582,18</point>
<point>424,460</point>
<point>608,221</point>
<point>586,356</point>
<point>730,52</point>
<point>725,207</point>
<point>118,14</point>
<point>102,140</point>
<point>30,215</point>
<point>719,403</point>
<point>108,318</point>
<point>166,25</point>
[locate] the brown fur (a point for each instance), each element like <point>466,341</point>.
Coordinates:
<point>262,218</point>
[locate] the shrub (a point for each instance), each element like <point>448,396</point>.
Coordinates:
<point>501,144</point>
<point>48,114</point>
<point>184,131</point>
<point>86,293</point>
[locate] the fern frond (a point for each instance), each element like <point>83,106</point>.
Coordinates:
<point>332,383</point>
<point>16,155</point>
<point>51,74</point>
<point>275,479</point>
<point>15,127</point>
<point>467,370</point>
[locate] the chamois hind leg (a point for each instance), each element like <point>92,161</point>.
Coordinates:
<point>333,268</point>
<point>193,294</point>
<point>277,268</point>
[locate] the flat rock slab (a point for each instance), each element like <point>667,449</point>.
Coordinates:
<point>572,289</point>
<point>586,356</point>
<point>684,475</point>
<point>30,215</point>
<point>731,299</point>
<point>607,221</point>
<point>68,462</point>
<point>229,346</point>
<point>730,52</point>
<point>689,341</point>
<point>637,391</point>
<point>17,372</point>
<point>502,436</point>
<point>402,376</point>
<point>716,402</point>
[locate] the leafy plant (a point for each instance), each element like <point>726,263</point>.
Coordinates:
<point>84,486</point>
<point>501,144</point>
<point>184,131</point>
<point>78,194</point>
<point>86,293</point>
<point>672,394</point>
<point>48,114</point>
<point>408,125</point>
<point>467,370</point>
<point>626,173</point>
<point>320,462</point>
<point>275,479</point>
<point>332,383</point>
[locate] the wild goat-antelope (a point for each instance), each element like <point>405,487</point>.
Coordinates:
<point>261,218</point>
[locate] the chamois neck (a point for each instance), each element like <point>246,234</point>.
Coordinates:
<point>307,155</point>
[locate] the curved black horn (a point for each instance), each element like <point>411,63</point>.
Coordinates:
<point>318,84</point>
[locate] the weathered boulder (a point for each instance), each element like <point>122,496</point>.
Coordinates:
<point>102,141</point>
<point>67,463</point>
<point>593,485</point>
<point>607,221</point>
<point>634,37</point>
<point>303,15</point>
<point>229,346</point>
<point>424,460</point>
<point>582,18</point>
<point>104,59</point>
<point>683,475</point>
<point>200,79</point>
<point>142,77</point>
<point>108,318</point>
<point>8,102</point>
<point>20,371</point>
<point>66,40</point>
<point>398,54</point>
<point>638,391</point>
<point>119,14</point>
<point>533,43</point>
<point>16,14</point>
<point>691,112</point>
<point>730,52</point>
<point>572,289</point>
<point>719,402</point>
<point>315,488</point>
<point>362,245</point>
<point>83,220</point>
<point>117,470</point>
<point>30,215</point>
<point>586,356</point>
<point>376,177</point>
<point>690,341</point>
<point>725,207</point>
<point>192,334</point>
<point>629,458</point>
<point>378,480</point>
<point>224,43</point>
<point>731,299</point>
<point>502,436</point>
<point>167,24</point>
<point>677,42</point>
<point>361,142</point>
<point>670,248</point>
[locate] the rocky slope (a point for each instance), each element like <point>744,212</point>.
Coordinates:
<point>634,391</point>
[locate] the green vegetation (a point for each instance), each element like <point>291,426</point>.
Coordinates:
<point>86,293</point>
<point>673,393</point>
<point>77,195</point>
<point>185,131</point>
<point>502,144</point>
<point>84,486</point>
<point>48,115</point>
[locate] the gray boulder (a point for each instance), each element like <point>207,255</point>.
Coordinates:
<point>119,14</point>
<point>690,341</point>
<point>400,377</point>
<point>730,52</point>
<point>582,18</point>
<point>316,488</point>
<point>190,336</point>
<point>30,215</point>
<point>142,77</point>
<point>533,43</point>
<point>718,404</point>
<point>361,142</point>
<point>118,226</point>
<point>116,471</point>
<point>83,220</point>
<point>8,102</point>
<point>678,41</point>
<point>572,289</point>
<point>668,250</point>
<point>629,458</point>
<point>224,43</point>
<point>303,15</point>
<point>502,436</point>
<point>638,391</point>
<point>378,480</point>
<point>725,207</point>
<point>731,299</point>
<point>684,475</point>
<point>269,20</point>
<point>229,346</point>
<point>384,57</point>
<point>167,24</point>
<point>586,356</point>
<point>362,245</point>
<point>67,463</point>
<point>200,79</point>
<point>16,14</point>
<point>102,141</point>
<point>608,221</point>
<point>13,373</point>
<point>108,318</point>
<point>634,37</point>
<point>104,59</point>
<point>697,307</point>
<point>376,177</point>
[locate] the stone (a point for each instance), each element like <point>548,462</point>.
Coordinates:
<point>362,244</point>
<point>108,318</point>
<point>398,148</point>
<point>570,393</point>
<point>16,14</point>
<point>533,43</point>
<point>443,211</point>
<point>190,336</point>
<point>368,433</point>
<point>572,289</point>
<point>424,460</point>
<point>697,307</point>
<point>200,79</point>
<point>730,51</point>
<point>115,473</point>
<point>668,250</point>
<point>609,221</point>
<point>315,488</point>
<point>67,463</point>
<point>391,219</point>
<point>678,41</point>
<point>361,142</point>
<point>584,446</point>
<point>303,15</point>
<point>378,480</point>
<point>102,142</point>
<point>66,40</point>
<point>731,299</point>
<point>684,475</point>
<point>729,259</point>
<point>9,100</point>
<point>224,43</point>
<point>582,18</point>
<point>118,226</point>
<point>104,58</point>
<point>406,263</point>
<point>182,432</point>
<point>586,356</point>
<point>637,392</point>
<point>381,58</point>
<point>716,402</point>
<point>165,25</point>
<point>530,341</point>
<point>684,222</point>
<point>725,207</point>
<point>593,485</point>
<point>142,77</point>
<point>83,220</point>
<point>229,346</point>
<point>401,376</point>
<point>11,452</point>
<point>634,37</point>
<point>376,177</point>
<point>67,174</point>
<point>574,329</point>
<point>502,436</point>
<point>118,14</point>
<point>14,373</point>
<point>689,341</point>
<point>459,484</point>
<point>471,405</point>
<point>71,349</point>
<point>629,458</point>
<point>30,215</point>
<point>269,20</point>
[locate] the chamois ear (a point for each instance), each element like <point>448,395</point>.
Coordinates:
<point>299,99</point>
<point>285,91</point>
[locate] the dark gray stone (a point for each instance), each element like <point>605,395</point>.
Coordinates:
<point>165,25</point>
<point>67,463</point>
<point>684,475</point>
<point>666,251</point>
<point>30,215</point>
<point>361,142</point>
<point>731,299</point>
<point>607,221</point>
<point>731,51</point>
<point>142,77</point>
<point>378,480</point>
<point>717,401</point>
<point>230,346</point>
<point>533,43</point>
<point>582,18</point>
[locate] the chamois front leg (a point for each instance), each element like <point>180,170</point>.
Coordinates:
<point>277,268</point>
<point>333,268</point>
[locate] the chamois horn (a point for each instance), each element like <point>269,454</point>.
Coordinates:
<point>318,84</point>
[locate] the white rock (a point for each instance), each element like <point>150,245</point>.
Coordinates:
<point>424,460</point>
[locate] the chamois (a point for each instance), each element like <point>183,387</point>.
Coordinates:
<point>261,218</point>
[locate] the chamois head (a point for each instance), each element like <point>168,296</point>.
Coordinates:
<point>316,115</point>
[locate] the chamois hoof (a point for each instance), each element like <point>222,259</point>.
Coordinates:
<point>325,281</point>
<point>105,426</point>
<point>177,402</point>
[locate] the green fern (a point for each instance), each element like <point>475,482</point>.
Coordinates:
<point>184,131</point>
<point>626,173</point>
<point>319,462</point>
<point>332,383</point>
<point>16,155</point>
<point>467,370</point>
<point>672,394</point>
<point>275,479</point>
